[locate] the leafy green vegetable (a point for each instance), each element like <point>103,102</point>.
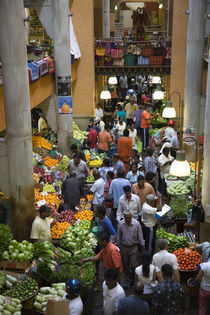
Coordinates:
<point>44,249</point>
<point>174,242</point>
<point>5,237</point>
<point>2,279</point>
<point>180,207</point>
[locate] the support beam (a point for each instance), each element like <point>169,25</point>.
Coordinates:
<point>194,61</point>
<point>18,117</point>
<point>206,165</point>
<point>106,18</point>
<point>60,10</point>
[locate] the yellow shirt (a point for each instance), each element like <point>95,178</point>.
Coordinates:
<point>41,230</point>
<point>130,109</point>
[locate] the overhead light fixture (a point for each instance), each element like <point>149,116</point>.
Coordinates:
<point>158,94</point>
<point>180,167</point>
<point>115,7</point>
<point>156,80</point>
<point>169,111</point>
<point>112,80</point>
<point>105,94</point>
<point>160,6</point>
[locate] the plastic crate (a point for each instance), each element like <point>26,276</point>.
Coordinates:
<point>156,60</point>
<point>130,60</point>
<point>147,51</point>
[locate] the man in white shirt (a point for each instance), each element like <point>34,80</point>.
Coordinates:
<point>164,163</point>
<point>79,167</point>
<point>99,111</point>
<point>98,190</point>
<point>112,292</point>
<point>120,127</point>
<point>73,288</point>
<point>128,203</point>
<point>170,131</point>
<point>149,222</point>
<point>40,231</point>
<point>164,257</point>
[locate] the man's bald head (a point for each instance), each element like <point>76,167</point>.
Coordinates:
<point>138,288</point>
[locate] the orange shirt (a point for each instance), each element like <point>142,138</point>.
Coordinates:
<point>124,148</point>
<point>104,140</point>
<point>143,192</point>
<point>145,123</point>
<point>111,257</point>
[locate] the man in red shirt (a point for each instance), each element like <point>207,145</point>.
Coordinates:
<point>92,138</point>
<point>145,125</point>
<point>110,254</point>
<point>104,140</point>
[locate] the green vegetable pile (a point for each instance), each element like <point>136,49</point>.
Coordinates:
<point>5,237</point>
<point>46,293</point>
<point>84,224</point>
<point>178,189</point>
<point>76,238</point>
<point>18,251</point>
<point>10,281</point>
<point>23,290</point>
<point>13,307</point>
<point>44,249</point>
<point>159,121</point>
<point>174,242</point>
<point>180,207</point>
<point>62,166</point>
<point>2,279</point>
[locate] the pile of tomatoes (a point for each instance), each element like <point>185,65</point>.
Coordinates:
<point>187,258</point>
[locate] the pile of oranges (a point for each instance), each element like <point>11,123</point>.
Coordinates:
<point>84,215</point>
<point>58,229</point>
<point>50,198</point>
<point>36,177</point>
<point>41,142</point>
<point>50,162</point>
<point>89,197</point>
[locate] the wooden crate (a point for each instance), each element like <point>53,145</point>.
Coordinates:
<point>16,265</point>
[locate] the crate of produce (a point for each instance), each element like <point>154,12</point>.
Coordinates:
<point>16,265</point>
<point>130,60</point>
<point>156,60</point>
<point>147,51</point>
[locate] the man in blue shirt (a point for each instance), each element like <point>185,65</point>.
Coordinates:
<point>104,223</point>
<point>137,119</point>
<point>116,191</point>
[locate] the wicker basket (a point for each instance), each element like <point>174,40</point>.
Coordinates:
<point>156,60</point>
<point>147,51</point>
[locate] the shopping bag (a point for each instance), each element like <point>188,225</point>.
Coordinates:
<point>57,307</point>
<point>139,146</point>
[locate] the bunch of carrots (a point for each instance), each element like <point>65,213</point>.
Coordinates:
<point>187,258</point>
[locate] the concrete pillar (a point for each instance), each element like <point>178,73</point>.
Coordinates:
<point>106,18</point>
<point>18,117</point>
<point>194,60</point>
<point>206,154</point>
<point>60,10</point>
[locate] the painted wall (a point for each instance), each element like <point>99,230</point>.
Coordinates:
<point>179,45</point>
<point>83,71</point>
<point>39,91</point>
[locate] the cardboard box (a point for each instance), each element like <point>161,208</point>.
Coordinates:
<point>57,307</point>
<point>16,265</point>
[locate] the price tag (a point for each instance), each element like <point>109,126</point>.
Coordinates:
<point>7,300</point>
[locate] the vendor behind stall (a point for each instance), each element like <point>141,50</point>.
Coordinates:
<point>40,231</point>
